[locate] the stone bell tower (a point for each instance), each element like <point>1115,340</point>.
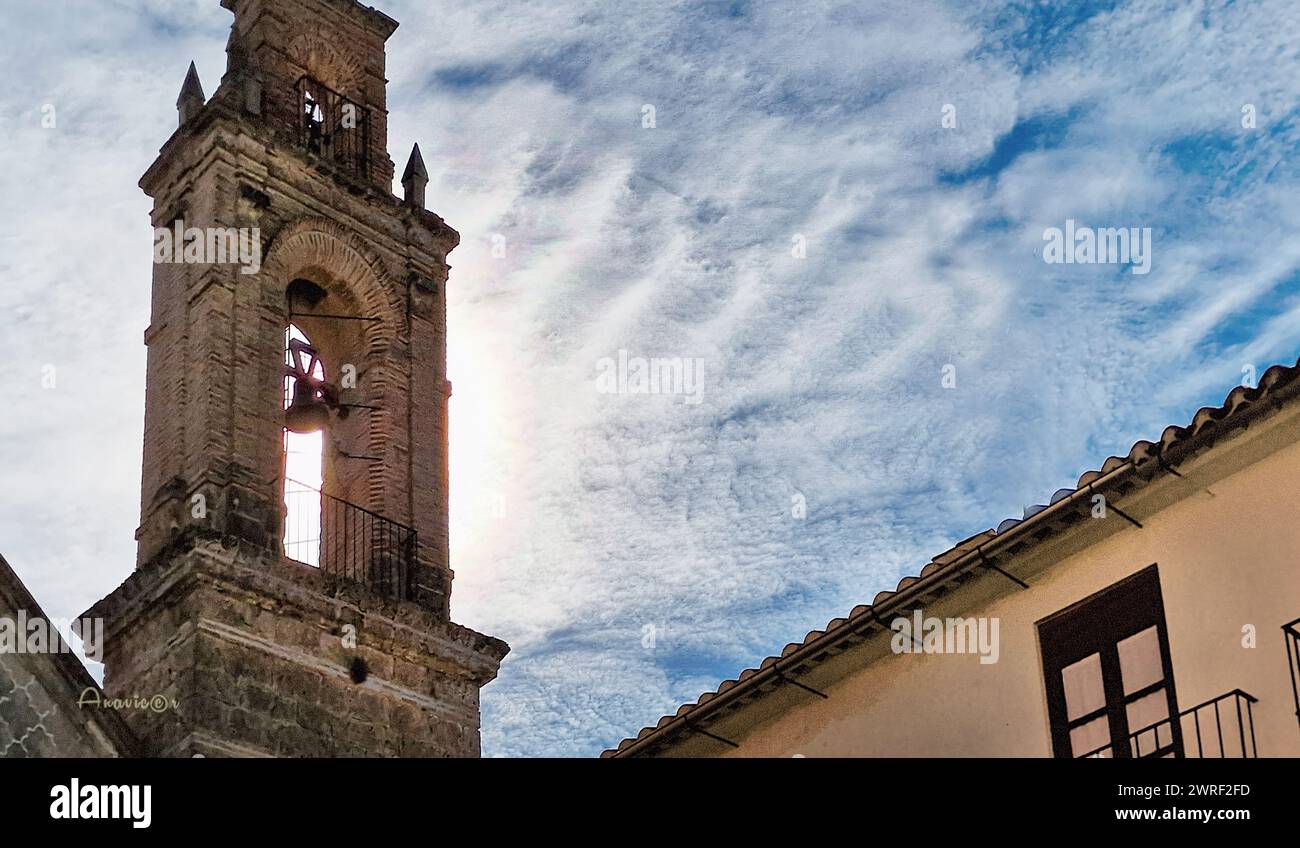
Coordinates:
<point>296,301</point>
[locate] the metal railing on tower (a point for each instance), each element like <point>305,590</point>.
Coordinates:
<point>333,128</point>
<point>348,541</point>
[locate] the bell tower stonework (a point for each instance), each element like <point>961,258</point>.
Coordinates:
<point>298,322</point>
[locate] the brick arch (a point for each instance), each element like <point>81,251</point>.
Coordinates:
<point>341,262</point>
<point>358,281</point>
<point>339,69</point>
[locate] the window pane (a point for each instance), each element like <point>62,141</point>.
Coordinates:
<point>1087,738</point>
<point>1139,660</point>
<point>1084,691</point>
<point>1144,712</point>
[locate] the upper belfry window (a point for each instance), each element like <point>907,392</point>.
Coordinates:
<point>333,127</point>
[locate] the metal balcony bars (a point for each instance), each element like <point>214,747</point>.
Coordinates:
<point>1291,632</point>
<point>349,541</point>
<point>1204,723</point>
<point>333,128</point>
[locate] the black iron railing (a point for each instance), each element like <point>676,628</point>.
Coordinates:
<point>348,541</point>
<point>1223,727</point>
<point>333,127</point>
<point>1291,632</point>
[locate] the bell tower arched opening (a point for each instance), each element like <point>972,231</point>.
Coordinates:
<point>332,517</point>
<point>304,447</point>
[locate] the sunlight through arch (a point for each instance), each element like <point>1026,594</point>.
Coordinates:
<point>304,471</point>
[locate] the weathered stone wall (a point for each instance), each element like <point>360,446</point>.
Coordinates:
<point>260,654</point>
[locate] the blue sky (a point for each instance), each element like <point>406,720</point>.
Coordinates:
<point>584,522</point>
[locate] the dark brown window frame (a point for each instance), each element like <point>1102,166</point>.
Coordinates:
<point>1096,625</point>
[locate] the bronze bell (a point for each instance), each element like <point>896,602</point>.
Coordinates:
<point>308,413</point>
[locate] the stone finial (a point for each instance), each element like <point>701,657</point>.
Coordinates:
<point>415,179</point>
<point>192,97</point>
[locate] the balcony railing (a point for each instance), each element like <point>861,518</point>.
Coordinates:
<point>333,128</point>
<point>348,541</point>
<point>1223,727</point>
<point>1291,632</point>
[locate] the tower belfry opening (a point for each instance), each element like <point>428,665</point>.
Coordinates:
<point>304,450</point>
<point>294,504</point>
<point>334,128</point>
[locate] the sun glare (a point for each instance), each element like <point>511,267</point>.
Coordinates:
<point>303,473</point>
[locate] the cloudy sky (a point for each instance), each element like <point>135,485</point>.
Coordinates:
<point>826,206</point>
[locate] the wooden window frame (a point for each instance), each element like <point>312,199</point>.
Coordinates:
<point>1096,625</point>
